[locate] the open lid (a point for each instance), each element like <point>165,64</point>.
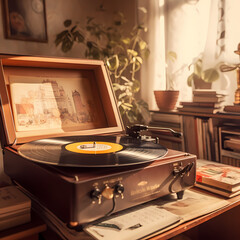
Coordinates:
<point>49,97</point>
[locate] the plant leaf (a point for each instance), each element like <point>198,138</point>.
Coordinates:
<point>113,63</point>
<point>198,67</point>
<point>139,59</point>
<point>126,40</point>
<point>142,45</point>
<point>136,86</point>
<point>125,79</point>
<point>132,52</point>
<point>73,28</point>
<point>77,36</point>
<point>60,37</point>
<point>131,116</point>
<point>116,86</point>
<point>67,23</point>
<point>89,19</point>
<point>191,78</point>
<point>172,56</point>
<point>67,45</point>
<point>126,106</point>
<point>210,75</point>
<point>122,95</point>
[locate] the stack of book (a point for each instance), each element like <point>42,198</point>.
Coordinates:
<point>218,178</point>
<point>15,207</point>
<point>204,101</point>
<point>232,109</point>
<point>166,120</point>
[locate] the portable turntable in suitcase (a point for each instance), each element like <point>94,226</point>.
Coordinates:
<point>63,141</point>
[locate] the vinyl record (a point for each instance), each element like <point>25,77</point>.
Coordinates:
<point>92,151</point>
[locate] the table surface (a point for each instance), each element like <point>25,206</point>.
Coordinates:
<point>231,203</point>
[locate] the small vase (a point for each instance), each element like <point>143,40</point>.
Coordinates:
<point>166,99</point>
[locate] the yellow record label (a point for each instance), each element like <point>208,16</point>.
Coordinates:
<point>94,147</point>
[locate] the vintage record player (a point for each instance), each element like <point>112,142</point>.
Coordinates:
<point>63,141</point>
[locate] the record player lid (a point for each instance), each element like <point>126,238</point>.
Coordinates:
<point>52,97</point>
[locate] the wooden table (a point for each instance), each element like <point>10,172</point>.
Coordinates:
<point>222,224</point>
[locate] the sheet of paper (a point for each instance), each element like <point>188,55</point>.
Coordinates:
<point>133,224</point>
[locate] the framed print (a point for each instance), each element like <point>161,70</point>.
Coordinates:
<point>25,20</point>
<point>68,103</point>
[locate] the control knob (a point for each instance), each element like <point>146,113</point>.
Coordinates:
<point>96,195</point>
<point>119,189</point>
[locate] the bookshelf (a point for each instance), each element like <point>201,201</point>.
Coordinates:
<point>208,136</point>
<point>229,147</point>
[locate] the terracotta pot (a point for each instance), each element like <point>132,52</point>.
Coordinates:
<point>166,100</point>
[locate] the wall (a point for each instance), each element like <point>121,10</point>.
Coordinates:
<point>56,13</point>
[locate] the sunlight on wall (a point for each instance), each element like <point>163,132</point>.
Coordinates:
<point>191,28</point>
<point>186,32</point>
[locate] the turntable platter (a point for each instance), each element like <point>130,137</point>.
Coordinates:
<point>92,151</point>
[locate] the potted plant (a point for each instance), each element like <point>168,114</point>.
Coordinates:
<point>123,54</point>
<point>167,99</point>
<point>200,78</point>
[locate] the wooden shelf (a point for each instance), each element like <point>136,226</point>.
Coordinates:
<point>200,131</point>
<point>222,115</point>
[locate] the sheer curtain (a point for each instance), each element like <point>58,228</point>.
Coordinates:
<point>153,74</point>
<point>189,28</point>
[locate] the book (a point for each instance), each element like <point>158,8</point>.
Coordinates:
<point>14,219</point>
<point>216,190</point>
<point>198,109</point>
<point>190,134</point>
<point>212,141</point>
<point>12,199</point>
<point>164,117</point>
<point>202,104</point>
<point>231,128</point>
<point>211,99</point>
<point>232,108</point>
<point>218,175</point>
<point>199,135</point>
<point>230,161</point>
<point>232,154</point>
<point>209,92</point>
<point>15,207</point>
<point>232,143</point>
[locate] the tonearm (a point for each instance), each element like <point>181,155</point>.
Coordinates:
<point>135,130</point>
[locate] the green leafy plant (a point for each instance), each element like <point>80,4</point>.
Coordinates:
<point>123,54</point>
<point>208,75</point>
